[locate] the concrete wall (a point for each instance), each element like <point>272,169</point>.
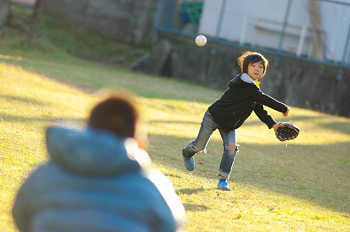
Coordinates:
<point>124,20</point>
<point>295,82</point>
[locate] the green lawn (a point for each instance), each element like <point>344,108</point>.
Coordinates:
<point>300,187</point>
<point>304,186</point>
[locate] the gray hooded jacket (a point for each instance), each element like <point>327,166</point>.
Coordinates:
<point>94,181</point>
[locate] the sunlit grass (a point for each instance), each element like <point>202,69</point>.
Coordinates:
<point>303,186</point>
<point>28,103</point>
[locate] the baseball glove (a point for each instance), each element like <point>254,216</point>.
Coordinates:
<point>286,131</point>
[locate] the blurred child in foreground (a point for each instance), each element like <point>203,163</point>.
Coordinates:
<point>97,180</point>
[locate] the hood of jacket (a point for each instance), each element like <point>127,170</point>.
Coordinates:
<point>94,152</point>
<point>237,81</point>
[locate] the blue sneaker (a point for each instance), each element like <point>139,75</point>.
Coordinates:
<point>189,164</point>
<point>223,186</point>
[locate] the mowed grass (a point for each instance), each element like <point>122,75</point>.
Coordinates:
<point>303,186</point>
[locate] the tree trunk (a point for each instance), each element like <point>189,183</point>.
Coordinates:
<point>33,19</point>
<point>5,7</point>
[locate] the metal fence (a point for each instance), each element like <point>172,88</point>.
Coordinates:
<point>171,18</point>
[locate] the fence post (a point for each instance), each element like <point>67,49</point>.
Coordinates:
<point>340,75</point>
<point>218,27</point>
<point>157,19</point>
<point>346,45</point>
<point>282,33</point>
<point>170,13</point>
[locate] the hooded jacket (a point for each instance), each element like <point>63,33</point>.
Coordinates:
<point>239,101</point>
<point>95,181</point>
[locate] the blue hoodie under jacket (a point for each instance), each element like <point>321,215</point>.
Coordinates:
<point>96,181</point>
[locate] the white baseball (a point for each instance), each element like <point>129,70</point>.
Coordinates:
<point>201,40</point>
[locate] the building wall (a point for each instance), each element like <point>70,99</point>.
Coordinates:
<point>260,23</point>
<point>124,20</point>
<point>296,82</point>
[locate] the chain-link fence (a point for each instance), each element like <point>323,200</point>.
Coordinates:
<point>313,30</point>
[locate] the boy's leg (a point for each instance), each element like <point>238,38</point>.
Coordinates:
<point>228,157</point>
<point>208,126</point>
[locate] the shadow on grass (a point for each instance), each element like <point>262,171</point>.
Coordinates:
<point>195,207</point>
<point>174,122</point>
<point>36,118</point>
<point>25,100</point>
<point>315,173</point>
<point>172,175</point>
<point>145,85</point>
<point>343,127</point>
<point>190,206</point>
<point>113,78</point>
<point>190,191</point>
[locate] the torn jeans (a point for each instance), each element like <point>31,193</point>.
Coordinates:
<point>208,126</point>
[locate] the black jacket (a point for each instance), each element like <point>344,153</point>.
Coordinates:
<point>238,102</point>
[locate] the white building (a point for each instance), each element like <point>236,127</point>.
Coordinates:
<point>260,23</point>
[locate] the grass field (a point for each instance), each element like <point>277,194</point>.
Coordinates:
<point>300,187</point>
<point>304,186</point>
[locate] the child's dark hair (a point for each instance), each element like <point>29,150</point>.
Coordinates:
<point>116,114</point>
<point>250,57</point>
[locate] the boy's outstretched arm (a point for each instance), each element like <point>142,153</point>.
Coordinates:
<point>263,99</point>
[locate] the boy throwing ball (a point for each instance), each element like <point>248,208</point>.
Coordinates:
<point>227,114</point>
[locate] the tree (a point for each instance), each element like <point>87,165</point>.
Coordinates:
<point>33,19</point>
<point>5,7</point>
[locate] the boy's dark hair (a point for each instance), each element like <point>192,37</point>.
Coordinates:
<point>116,114</point>
<point>249,57</point>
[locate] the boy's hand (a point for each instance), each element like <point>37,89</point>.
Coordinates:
<point>286,113</point>
<point>275,126</point>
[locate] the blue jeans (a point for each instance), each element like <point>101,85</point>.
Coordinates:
<point>208,126</point>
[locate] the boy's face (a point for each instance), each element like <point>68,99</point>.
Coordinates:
<point>256,70</point>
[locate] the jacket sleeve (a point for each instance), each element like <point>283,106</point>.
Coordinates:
<point>178,216</point>
<point>266,100</point>
<point>263,115</point>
